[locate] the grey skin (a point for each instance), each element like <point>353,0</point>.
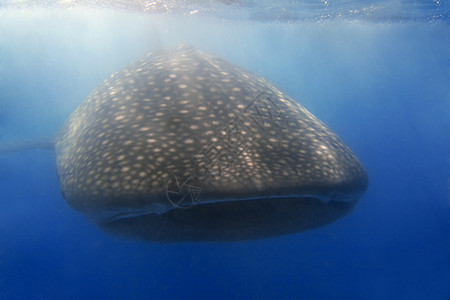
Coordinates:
<point>184,146</point>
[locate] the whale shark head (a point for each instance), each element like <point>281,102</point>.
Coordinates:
<point>184,146</point>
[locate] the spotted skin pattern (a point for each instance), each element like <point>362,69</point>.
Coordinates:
<point>183,125</point>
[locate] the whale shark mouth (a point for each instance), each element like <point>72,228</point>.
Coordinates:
<point>230,220</point>
<point>159,208</point>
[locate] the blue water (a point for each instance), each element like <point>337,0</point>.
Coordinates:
<point>382,86</point>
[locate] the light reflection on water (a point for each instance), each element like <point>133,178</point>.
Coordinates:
<point>269,11</point>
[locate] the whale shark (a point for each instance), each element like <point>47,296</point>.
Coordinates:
<point>182,145</point>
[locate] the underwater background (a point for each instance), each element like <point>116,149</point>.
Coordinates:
<point>376,72</point>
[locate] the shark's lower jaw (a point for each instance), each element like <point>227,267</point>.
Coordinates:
<point>231,221</point>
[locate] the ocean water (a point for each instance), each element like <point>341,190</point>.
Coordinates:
<point>378,75</point>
